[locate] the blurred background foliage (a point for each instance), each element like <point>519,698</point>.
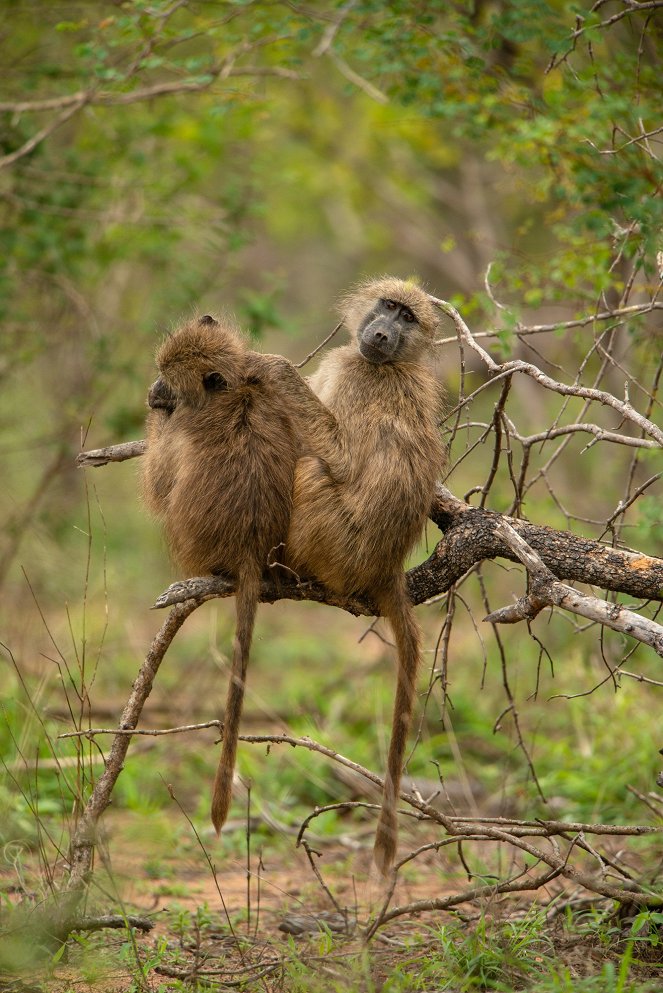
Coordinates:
<point>165,156</point>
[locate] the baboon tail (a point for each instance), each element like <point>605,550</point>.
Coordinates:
<point>246,603</point>
<point>396,606</point>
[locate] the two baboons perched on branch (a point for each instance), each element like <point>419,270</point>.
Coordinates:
<point>249,465</point>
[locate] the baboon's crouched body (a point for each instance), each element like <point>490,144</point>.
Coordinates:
<point>218,472</point>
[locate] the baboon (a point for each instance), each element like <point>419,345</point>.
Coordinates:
<point>365,484</point>
<point>218,472</point>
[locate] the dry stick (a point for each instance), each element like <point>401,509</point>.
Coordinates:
<point>465,896</point>
<point>90,732</point>
<point>112,453</point>
<point>310,852</point>
<point>320,346</point>
<point>115,921</point>
<point>84,835</point>
<point>600,434</point>
<point>480,829</point>
<point>472,894</point>
<point>522,330</point>
<point>485,830</point>
<point>518,827</point>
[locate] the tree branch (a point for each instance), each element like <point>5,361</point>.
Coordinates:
<point>472,534</point>
<point>545,591</point>
<point>71,104</point>
<point>96,457</point>
<point>84,836</point>
<point>519,365</point>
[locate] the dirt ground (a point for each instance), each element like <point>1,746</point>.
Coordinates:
<point>264,917</point>
<point>239,921</point>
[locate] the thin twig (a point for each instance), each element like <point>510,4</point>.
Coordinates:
<point>91,732</point>
<point>319,347</point>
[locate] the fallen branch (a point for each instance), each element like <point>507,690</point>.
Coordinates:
<point>115,921</point>
<point>497,829</point>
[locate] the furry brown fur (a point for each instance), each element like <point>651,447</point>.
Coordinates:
<point>363,493</point>
<point>218,472</point>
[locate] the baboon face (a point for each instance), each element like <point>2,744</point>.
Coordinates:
<point>197,362</point>
<point>392,320</point>
<point>385,331</point>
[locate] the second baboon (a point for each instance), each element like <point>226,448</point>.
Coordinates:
<point>218,472</point>
<point>365,486</point>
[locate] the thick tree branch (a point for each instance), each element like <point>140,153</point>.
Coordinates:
<point>545,591</point>
<point>472,534</point>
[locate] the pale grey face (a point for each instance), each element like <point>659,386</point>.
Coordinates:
<point>385,331</point>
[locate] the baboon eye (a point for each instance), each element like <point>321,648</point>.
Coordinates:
<point>390,304</point>
<point>408,315</point>
<point>214,381</point>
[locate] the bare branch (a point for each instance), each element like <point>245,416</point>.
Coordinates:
<point>83,839</point>
<point>112,453</point>
<point>353,77</point>
<point>115,921</point>
<point>599,433</point>
<point>332,29</point>
<point>518,365</point>
<point>529,329</point>
<point>39,136</point>
<point>153,732</point>
<point>320,346</point>
<point>71,104</point>
<point>630,7</point>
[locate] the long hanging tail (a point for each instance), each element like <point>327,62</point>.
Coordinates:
<point>397,608</point>
<point>246,603</point>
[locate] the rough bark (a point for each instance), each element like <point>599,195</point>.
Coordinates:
<point>471,534</point>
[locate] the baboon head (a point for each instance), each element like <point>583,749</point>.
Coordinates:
<point>198,360</point>
<point>391,319</point>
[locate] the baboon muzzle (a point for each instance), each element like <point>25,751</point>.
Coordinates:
<point>161,397</point>
<point>379,341</point>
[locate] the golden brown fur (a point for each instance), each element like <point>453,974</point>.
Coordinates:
<point>218,472</point>
<point>362,496</point>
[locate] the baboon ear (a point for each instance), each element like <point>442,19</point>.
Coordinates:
<point>207,319</point>
<point>214,382</point>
